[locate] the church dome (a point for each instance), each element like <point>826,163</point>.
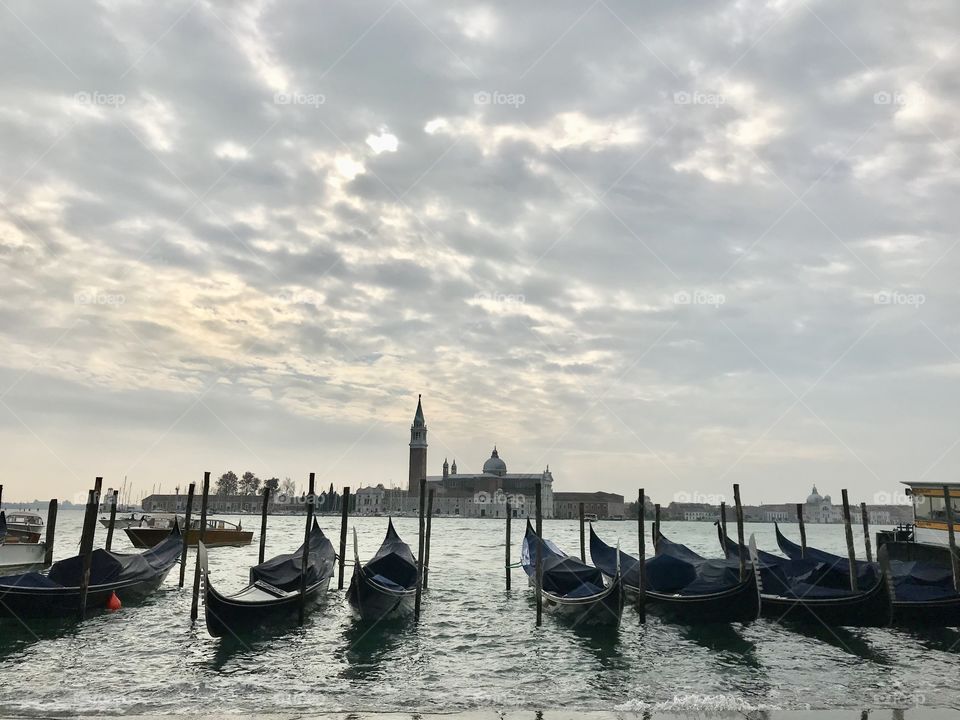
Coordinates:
<point>495,466</point>
<point>814,497</point>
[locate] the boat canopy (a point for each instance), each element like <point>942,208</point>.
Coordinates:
<point>394,565</point>
<point>106,568</point>
<point>563,575</point>
<point>284,571</point>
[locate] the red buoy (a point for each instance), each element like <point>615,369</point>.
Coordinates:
<point>113,603</point>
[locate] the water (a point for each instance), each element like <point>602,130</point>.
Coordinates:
<point>476,646</point>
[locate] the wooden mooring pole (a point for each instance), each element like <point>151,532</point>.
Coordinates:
<point>803,531</point>
<point>740,546</point>
<point>538,574</point>
<point>86,541</point>
<point>186,532</point>
<point>641,531</point>
<point>311,502</point>
<point>421,534</point>
<point>113,520</point>
<point>656,525</point>
<point>848,533</point>
<point>951,537</point>
<point>583,547</point>
<point>507,546</point>
<point>426,543</point>
<point>263,523</point>
<point>723,528</point>
<point>865,518</point>
<point>51,532</point>
<point>344,511</point>
<point>204,499</point>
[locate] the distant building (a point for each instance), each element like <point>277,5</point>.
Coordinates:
<point>602,504</point>
<point>483,494</point>
<point>691,511</point>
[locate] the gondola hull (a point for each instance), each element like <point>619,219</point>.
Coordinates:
<point>944,612</point>
<point>255,607</point>
<point>739,604</point>
<point>34,603</point>
<point>372,601</point>
<point>870,609</point>
<point>604,608</point>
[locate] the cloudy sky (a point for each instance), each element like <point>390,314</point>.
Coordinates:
<point>672,244</point>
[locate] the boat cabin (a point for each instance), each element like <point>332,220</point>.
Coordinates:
<point>25,520</point>
<point>930,510</point>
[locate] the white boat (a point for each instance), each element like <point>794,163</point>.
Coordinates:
<point>123,521</point>
<point>17,554</point>
<point>26,524</point>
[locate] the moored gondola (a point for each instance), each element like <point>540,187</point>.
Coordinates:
<point>676,590</point>
<point>923,591</point>
<point>273,594</point>
<point>386,586</point>
<point>805,590</point>
<point>572,589</point>
<point>57,593</point>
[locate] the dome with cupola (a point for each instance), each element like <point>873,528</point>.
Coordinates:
<point>814,498</point>
<point>494,465</point>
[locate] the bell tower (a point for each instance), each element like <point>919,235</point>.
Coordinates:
<point>418,450</point>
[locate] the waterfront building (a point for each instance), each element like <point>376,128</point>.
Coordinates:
<point>602,505</point>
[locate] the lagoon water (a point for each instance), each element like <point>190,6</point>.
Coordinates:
<point>476,647</point>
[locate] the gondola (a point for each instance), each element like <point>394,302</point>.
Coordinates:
<point>923,592</point>
<point>386,586</point>
<point>57,593</point>
<point>273,594</point>
<point>678,591</point>
<point>16,553</point>
<point>572,589</point>
<point>805,590</point>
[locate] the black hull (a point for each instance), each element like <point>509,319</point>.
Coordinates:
<point>373,602</point>
<point>740,604</point>
<point>65,602</point>
<point>870,609</point>
<point>605,608</point>
<point>940,613</point>
<point>227,617</point>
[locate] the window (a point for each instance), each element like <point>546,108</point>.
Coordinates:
<point>934,508</point>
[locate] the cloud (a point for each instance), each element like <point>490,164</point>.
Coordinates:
<point>249,234</point>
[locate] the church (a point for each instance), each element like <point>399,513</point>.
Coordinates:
<point>482,494</point>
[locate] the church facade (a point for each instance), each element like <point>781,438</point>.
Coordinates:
<point>461,494</point>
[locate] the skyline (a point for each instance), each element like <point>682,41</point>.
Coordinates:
<point>669,246</point>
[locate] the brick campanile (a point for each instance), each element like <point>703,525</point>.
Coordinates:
<point>418,450</point>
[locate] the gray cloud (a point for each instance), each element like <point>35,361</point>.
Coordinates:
<point>622,239</point>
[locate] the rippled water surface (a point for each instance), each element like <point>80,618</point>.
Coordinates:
<point>475,647</point>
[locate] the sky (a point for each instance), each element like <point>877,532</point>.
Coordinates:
<point>670,245</point>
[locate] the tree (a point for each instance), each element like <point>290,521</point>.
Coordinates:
<point>272,483</point>
<point>249,483</point>
<point>227,484</point>
<point>289,487</point>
